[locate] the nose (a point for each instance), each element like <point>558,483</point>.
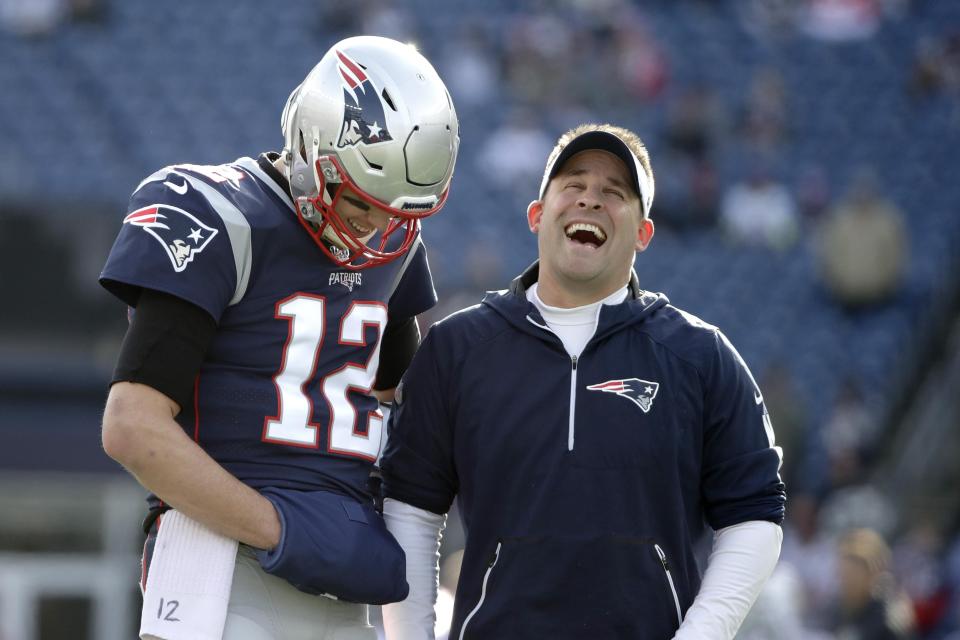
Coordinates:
<point>589,200</point>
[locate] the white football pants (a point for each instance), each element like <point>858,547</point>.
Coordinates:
<point>265,607</point>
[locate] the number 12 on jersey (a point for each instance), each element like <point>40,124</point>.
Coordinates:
<point>292,425</point>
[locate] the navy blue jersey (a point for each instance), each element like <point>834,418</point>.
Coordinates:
<point>583,482</point>
<point>282,398</point>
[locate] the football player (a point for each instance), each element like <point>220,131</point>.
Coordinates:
<point>273,302</point>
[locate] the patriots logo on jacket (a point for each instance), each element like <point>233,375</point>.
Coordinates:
<point>363,116</point>
<point>180,234</point>
<point>640,392</point>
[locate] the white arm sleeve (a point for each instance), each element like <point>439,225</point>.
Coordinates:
<point>743,557</point>
<point>418,532</point>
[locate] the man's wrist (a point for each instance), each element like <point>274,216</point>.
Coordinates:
<point>269,527</point>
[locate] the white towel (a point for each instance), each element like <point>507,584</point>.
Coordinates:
<point>188,582</point>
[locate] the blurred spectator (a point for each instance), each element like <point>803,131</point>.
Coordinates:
<point>862,247</point>
<point>88,11</point>
<point>537,52</point>
<point>870,606</point>
<point>32,18</point>
<point>858,506</point>
<point>778,612</point>
<point>339,17</point>
<point>849,435</point>
<point>687,193</point>
<point>616,37</point>
<point>764,119</point>
<point>918,565</point>
<point>381,18</point>
<point>512,156</point>
<point>468,63</point>
<point>767,19</point>
<point>704,190</point>
<point>760,211</point>
<point>841,20</point>
<point>810,549</point>
<point>688,184</point>
<point>482,262</point>
<point>641,61</point>
<point>813,193</point>
<point>788,415</point>
<point>694,119</point>
<point>370,17</point>
<point>936,67</point>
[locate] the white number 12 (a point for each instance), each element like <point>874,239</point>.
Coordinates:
<point>291,426</point>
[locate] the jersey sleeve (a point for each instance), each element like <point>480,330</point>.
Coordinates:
<point>172,240</point>
<point>414,293</point>
<point>740,479</point>
<point>418,464</point>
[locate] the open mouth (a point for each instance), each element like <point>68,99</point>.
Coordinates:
<point>360,229</point>
<point>586,233</point>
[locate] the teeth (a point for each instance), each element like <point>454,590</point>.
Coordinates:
<point>590,228</point>
<point>360,229</point>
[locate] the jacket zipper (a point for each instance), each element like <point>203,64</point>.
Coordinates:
<point>483,589</point>
<point>573,401</point>
<point>573,385</point>
<point>673,589</point>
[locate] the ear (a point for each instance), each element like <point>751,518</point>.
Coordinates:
<point>534,213</point>
<point>644,234</point>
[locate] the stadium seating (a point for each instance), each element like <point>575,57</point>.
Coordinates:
<point>92,108</point>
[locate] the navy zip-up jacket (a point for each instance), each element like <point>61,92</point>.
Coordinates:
<point>583,483</point>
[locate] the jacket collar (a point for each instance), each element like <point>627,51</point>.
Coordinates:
<point>513,305</point>
<point>531,274</point>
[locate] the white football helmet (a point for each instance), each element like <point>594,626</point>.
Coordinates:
<point>375,116</point>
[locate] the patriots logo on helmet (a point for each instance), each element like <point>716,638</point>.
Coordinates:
<point>180,234</point>
<point>363,116</point>
<point>640,392</point>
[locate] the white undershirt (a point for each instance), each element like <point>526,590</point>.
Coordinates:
<point>577,325</point>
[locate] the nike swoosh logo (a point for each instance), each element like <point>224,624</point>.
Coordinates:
<point>757,397</point>
<point>181,189</point>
